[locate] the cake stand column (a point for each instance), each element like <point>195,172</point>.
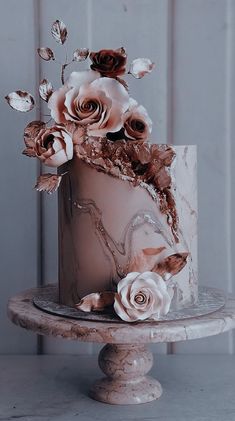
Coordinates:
<point>125,367</point>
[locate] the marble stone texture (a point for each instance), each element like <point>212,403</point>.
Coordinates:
<point>22,312</point>
<point>124,359</point>
<point>126,366</point>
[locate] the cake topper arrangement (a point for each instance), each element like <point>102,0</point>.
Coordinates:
<point>90,108</point>
<point>93,118</point>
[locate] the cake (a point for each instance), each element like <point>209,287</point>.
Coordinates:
<point>109,227</point>
<point>127,206</point>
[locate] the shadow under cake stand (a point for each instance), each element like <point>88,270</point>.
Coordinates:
<point>125,359</point>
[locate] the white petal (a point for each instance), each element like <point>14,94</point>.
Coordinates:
<point>114,90</point>
<point>20,101</point>
<point>56,104</point>
<point>141,66</point>
<point>76,79</point>
<point>127,280</point>
<point>69,145</point>
<point>57,159</point>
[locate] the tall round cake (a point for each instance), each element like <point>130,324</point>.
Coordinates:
<point>109,227</point>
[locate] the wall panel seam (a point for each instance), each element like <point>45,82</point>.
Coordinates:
<point>90,346</point>
<point>170,349</point>
<point>170,70</point>
<point>228,167</point>
<point>39,196</point>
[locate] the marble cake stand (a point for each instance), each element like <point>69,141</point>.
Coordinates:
<point>124,359</point>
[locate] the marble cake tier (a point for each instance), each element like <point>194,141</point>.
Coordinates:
<point>104,222</point>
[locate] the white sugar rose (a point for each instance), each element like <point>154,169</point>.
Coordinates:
<point>98,103</point>
<point>140,296</point>
<point>53,146</point>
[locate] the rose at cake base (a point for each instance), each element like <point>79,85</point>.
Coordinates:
<point>109,227</point>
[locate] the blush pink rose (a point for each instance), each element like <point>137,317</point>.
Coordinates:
<point>53,146</point>
<point>140,296</point>
<point>56,101</point>
<point>98,103</point>
<point>137,124</point>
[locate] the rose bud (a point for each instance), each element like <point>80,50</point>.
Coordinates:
<point>110,63</point>
<point>137,123</point>
<point>53,146</point>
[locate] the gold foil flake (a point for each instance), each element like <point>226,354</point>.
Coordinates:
<point>171,265</point>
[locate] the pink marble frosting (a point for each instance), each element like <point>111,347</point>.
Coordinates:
<point>105,221</point>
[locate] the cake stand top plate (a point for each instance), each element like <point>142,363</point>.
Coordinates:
<point>22,312</point>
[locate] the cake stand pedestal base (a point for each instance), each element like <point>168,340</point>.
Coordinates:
<point>125,360</point>
<point>126,366</point>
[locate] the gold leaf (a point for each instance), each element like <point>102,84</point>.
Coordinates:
<point>59,31</point>
<point>31,131</point>
<point>46,53</point>
<point>97,301</point>
<point>171,265</point>
<point>45,89</point>
<point>145,259</point>
<point>48,182</point>
<point>80,54</point>
<point>30,152</point>
<point>20,101</point>
<point>152,251</point>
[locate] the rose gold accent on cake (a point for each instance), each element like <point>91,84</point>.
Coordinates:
<point>97,301</point>
<point>138,162</point>
<point>144,259</point>
<point>48,182</point>
<point>167,207</point>
<point>171,265</point>
<point>124,245</point>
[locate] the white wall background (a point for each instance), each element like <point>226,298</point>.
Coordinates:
<point>190,97</point>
